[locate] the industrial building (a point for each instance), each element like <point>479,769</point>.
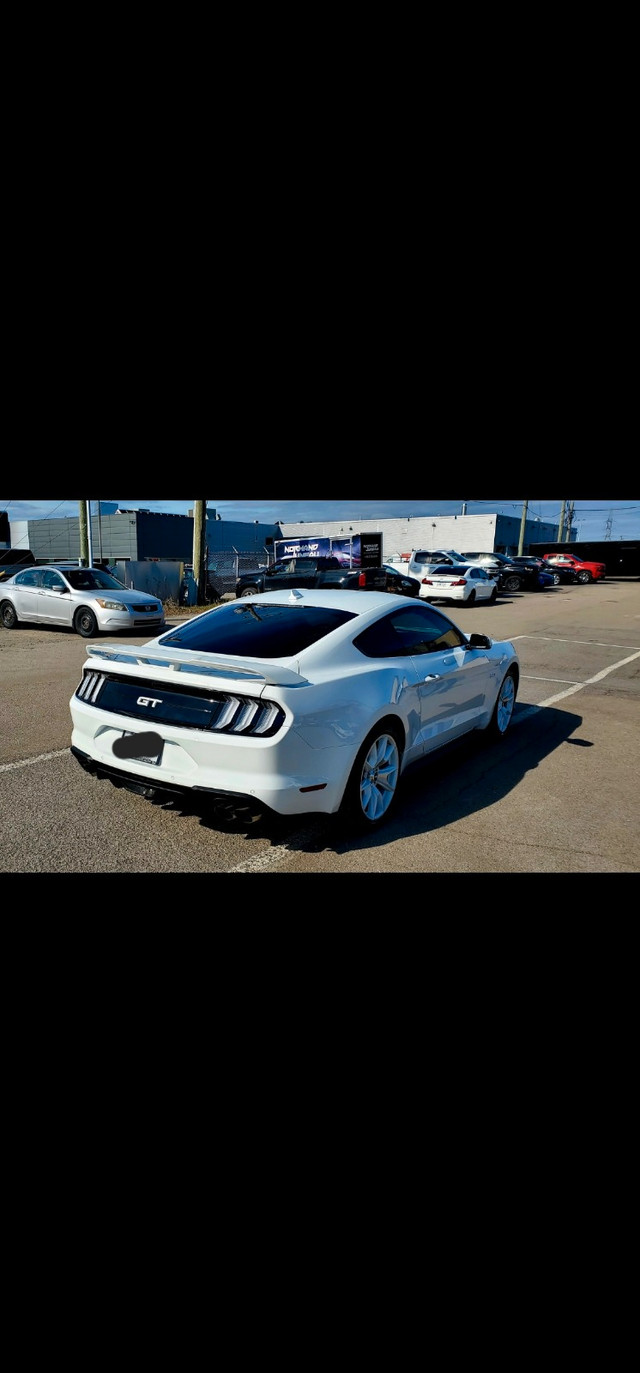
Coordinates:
<point>463,533</point>
<point>137,536</point>
<point>119,535</point>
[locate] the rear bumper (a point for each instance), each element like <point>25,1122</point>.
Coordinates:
<point>121,778</point>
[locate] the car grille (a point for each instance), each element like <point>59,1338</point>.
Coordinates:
<point>218,711</point>
<point>157,619</point>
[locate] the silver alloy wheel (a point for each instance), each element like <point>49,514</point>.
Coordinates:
<point>379,776</point>
<point>505,703</point>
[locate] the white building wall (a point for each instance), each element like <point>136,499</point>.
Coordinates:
<point>463,533</point>
<point>19,533</point>
<point>404,535</point>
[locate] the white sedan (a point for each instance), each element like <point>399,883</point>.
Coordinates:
<point>300,700</point>
<point>466,583</point>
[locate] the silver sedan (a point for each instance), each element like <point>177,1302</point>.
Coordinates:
<point>87,599</point>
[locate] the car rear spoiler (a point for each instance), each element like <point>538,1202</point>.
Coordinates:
<point>185,660</point>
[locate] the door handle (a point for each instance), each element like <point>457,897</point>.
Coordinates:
<point>433,677</point>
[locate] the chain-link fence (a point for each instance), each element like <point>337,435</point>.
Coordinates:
<point>224,568</point>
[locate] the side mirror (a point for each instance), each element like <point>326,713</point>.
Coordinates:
<point>479,641</point>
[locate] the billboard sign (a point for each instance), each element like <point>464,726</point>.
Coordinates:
<point>306,547</point>
<point>356,550</point>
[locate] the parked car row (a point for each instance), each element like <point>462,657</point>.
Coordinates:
<point>90,600</point>
<point>511,573</point>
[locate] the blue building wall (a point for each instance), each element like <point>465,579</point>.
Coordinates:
<point>223,536</point>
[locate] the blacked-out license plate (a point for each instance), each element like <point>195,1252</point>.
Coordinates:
<point>154,757</point>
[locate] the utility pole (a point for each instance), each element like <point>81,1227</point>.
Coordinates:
<point>561,524</point>
<point>567,536</point>
<point>84,539</point>
<point>89,534</point>
<point>98,503</point>
<point>523,527</point>
<point>199,531</point>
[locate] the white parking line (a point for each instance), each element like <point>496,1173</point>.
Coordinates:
<point>551,639</point>
<point>272,857</point>
<point>40,758</point>
<point>570,681</point>
<point>578,686</point>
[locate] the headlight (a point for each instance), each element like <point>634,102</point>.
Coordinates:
<point>111,605</point>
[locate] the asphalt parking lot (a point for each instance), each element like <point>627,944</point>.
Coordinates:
<point>559,796</point>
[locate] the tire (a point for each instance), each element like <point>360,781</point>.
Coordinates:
<point>249,591</point>
<point>504,706</point>
<point>512,584</point>
<point>494,596</point>
<point>556,578</point>
<point>8,615</point>
<point>371,792</point>
<point>584,577</point>
<point>471,598</point>
<point>85,623</point>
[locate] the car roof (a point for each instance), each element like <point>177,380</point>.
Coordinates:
<point>453,571</point>
<point>356,602</point>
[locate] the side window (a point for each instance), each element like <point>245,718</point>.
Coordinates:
<point>50,579</point>
<point>405,633</point>
<point>424,630</point>
<point>30,578</point>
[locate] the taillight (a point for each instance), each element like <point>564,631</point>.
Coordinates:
<point>362,581</point>
<point>426,581</point>
<point>462,582</point>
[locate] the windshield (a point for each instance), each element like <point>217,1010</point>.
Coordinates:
<point>91,579</point>
<point>257,631</point>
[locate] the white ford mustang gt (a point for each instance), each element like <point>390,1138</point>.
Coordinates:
<point>298,701</point>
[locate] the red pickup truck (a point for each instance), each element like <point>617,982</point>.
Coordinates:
<point>585,571</point>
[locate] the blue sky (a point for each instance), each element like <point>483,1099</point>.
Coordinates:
<point>593,519</point>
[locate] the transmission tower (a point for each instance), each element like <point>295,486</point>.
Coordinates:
<point>609,525</point>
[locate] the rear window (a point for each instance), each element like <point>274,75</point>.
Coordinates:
<point>257,631</point>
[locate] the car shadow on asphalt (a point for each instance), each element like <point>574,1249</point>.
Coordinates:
<point>460,780</point>
<point>469,775</point>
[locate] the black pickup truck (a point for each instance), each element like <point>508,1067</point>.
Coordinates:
<point>328,572</point>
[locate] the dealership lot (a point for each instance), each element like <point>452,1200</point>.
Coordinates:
<point>560,795</point>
